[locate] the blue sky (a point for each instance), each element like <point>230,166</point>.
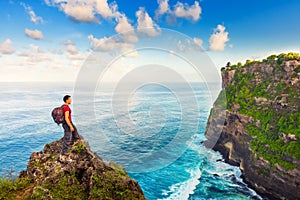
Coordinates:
<point>40,38</point>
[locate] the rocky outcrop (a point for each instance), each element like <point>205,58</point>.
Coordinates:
<point>272,182</point>
<point>227,76</point>
<point>81,174</point>
<point>246,139</point>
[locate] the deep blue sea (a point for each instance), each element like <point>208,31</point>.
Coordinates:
<point>186,171</point>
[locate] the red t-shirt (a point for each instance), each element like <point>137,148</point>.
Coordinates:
<point>67,108</point>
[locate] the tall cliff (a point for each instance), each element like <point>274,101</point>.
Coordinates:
<point>81,174</point>
<point>255,123</point>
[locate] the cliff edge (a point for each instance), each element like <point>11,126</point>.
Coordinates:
<point>255,123</point>
<point>81,174</point>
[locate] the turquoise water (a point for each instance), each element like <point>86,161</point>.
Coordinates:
<point>194,172</point>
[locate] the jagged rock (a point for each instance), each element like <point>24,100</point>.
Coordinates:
<point>80,174</point>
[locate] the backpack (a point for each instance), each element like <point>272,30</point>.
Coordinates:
<point>58,114</point>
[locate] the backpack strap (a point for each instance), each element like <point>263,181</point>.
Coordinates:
<point>63,105</point>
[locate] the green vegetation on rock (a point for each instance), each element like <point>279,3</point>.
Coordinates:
<point>14,189</point>
<point>112,189</point>
<point>68,187</point>
<point>277,59</point>
<point>265,91</point>
<point>79,147</point>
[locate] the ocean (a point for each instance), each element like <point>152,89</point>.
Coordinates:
<point>167,164</point>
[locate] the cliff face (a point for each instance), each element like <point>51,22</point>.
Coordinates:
<point>257,121</point>
<point>81,174</point>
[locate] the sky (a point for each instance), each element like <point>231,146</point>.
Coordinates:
<point>50,40</point>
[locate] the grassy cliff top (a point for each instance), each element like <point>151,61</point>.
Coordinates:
<point>278,59</point>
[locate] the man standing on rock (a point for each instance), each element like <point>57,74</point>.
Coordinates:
<point>70,130</point>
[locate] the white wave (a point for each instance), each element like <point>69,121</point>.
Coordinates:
<point>184,189</point>
<point>221,169</point>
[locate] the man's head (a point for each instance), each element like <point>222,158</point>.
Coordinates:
<point>67,99</point>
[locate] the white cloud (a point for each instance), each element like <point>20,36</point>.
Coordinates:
<point>33,17</point>
<point>90,10</point>
<point>6,47</point>
<point>146,24</point>
<point>122,24</point>
<point>218,39</point>
<point>101,44</point>
<point>34,34</point>
<point>106,44</point>
<point>72,51</point>
<point>163,7</point>
<point>34,63</point>
<point>106,10</point>
<point>183,10</point>
<point>180,10</point>
<point>34,55</point>
<point>124,28</point>
<point>79,10</point>
<point>29,70</point>
<point>198,41</point>
<point>86,11</point>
